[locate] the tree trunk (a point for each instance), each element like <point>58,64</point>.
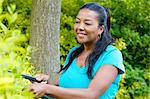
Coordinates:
<point>44,37</point>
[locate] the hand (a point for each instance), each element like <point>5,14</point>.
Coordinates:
<point>43,78</point>
<point>39,89</point>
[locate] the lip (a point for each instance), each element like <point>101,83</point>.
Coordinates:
<point>79,33</point>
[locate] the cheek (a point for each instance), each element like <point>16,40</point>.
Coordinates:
<point>93,32</point>
<point>75,28</point>
<point>93,36</point>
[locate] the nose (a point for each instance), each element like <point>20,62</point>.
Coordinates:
<point>81,27</point>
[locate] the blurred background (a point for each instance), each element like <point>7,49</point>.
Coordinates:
<point>130,27</point>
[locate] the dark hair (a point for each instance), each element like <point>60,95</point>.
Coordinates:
<point>101,44</point>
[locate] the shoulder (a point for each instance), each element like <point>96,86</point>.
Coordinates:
<point>111,48</point>
<point>112,51</point>
<point>114,57</point>
<point>111,56</point>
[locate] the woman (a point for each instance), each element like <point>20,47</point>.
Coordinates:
<point>93,69</point>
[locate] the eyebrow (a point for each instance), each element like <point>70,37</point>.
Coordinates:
<point>85,19</point>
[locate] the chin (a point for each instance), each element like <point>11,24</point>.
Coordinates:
<point>81,41</point>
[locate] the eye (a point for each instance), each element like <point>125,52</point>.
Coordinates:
<point>88,23</point>
<point>77,22</point>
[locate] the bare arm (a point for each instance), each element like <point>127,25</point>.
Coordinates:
<point>100,83</point>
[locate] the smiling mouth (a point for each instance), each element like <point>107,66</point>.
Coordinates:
<point>81,34</point>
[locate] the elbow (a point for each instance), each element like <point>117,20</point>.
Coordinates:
<point>93,95</point>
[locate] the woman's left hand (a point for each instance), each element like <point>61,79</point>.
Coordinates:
<point>39,89</point>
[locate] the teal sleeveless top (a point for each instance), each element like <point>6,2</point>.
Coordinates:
<point>76,77</point>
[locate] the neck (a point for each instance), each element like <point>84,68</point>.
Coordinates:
<point>88,47</point>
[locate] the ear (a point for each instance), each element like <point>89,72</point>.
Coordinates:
<point>101,29</point>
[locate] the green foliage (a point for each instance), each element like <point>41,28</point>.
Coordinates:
<point>66,32</point>
<point>14,55</point>
<point>130,21</point>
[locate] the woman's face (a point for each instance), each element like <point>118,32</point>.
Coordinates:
<point>87,26</point>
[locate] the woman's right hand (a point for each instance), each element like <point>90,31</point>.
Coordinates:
<point>42,77</point>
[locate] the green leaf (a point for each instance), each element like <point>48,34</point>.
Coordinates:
<point>1,2</point>
<point>9,10</point>
<point>13,17</point>
<point>1,10</point>
<point>16,32</point>
<point>13,7</point>
<point>4,28</point>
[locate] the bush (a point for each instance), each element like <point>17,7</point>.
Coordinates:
<point>14,54</point>
<point>130,27</point>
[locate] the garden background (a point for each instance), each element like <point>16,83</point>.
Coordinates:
<point>130,26</point>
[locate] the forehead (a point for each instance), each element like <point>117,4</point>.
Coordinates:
<point>87,14</point>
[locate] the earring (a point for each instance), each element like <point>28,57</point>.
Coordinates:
<point>99,35</point>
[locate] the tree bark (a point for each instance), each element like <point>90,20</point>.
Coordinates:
<point>44,37</point>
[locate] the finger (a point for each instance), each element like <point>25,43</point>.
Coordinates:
<point>44,82</point>
<point>39,77</point>
<point>38,95</point>
<point>34,92</point>
<point>35,82</point>
<point>30,87</point>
